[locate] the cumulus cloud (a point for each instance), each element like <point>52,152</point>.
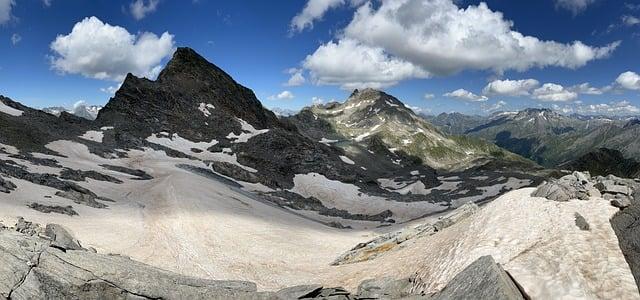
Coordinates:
<point>296,78</point>
<point>284,95</point>
<point>574,6</point>
<point>552,92</point>
<point>5,10</point>
<point>493,107</point>
<point>47,3</point>
<point>629,80</point>
<point>429,96</point>
<point>353,65</point>
<point>112,89</point>
<point>314,10</point>
<point>466,95</point>
<point>587,89</point>
<point>435,37</point>
<point>15,39</point>
<point>140,8</point>
<point>510,87</point>
<point>98,50</point>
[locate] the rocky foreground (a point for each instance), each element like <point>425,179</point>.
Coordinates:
<point>49,263</point>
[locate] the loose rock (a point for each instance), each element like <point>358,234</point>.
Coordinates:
<point>581,222</point>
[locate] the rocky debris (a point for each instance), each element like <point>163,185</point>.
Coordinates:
<point>299,292</point>
<point>483,279</point>
<point>47,209</point>
<point>141,175</point>
<point>6,186</point>
<point>88,199</point>
<point>390,241</point>
<point>581,222</point>
<point>385,288</point>
<point>461,213</point>
<point>47,162</point>
<point>26,227</point>
<point>621,203</point>
<point>234,171</point>
<point>574,186</point>
<point>66,189</point>
<point>79,175</point>
<point>61,238</point>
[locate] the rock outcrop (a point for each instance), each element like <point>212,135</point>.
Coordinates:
<point>483,279</point>
<point>580,185</point>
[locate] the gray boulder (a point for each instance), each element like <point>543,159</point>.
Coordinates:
<point>299,292</point>
<point>26,227</point>
<point>61,238</point>
<point>385,288</point>
<point>483,279</point>
<point>573,186</point>
<point>621,203</point>
<point>581,222</point>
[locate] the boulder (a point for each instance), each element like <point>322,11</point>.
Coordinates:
<point>621,202</point>
<point>483,279</point>
<point>61,238</point>
<point>299,292</point>
<point>385,288</point>
<point>581,222</point>
<point>610,187</point>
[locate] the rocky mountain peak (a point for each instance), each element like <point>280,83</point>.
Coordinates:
<point>372,96</point>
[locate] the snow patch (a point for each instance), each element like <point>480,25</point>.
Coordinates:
<point>248,131</point>
<point>327,141</point>
<point>10,110</point>
<point>204,108</point>
<point>347,160</point>
<point>93,135</point>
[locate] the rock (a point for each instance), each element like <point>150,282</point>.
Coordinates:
<point>626,224</point>
<point>459,214</point>
<point>65,210</point>
<point>27,227</point>
<point>581,222</point>
<point>141,175</point>
<point>6,186</point>
<point>385,288</point>
<point>483,279</point>
<point>61,238</point>
<point>573,186</point>
<point>81,198</point>
<point>79,175</point>
<point>2,227</point>
<point>610,187</point>
<point>299,292</point>
<point>621,202</point>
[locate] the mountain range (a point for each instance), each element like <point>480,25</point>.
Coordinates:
<point>192,174</point>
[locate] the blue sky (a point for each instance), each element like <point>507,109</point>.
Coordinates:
<point>432,55</point>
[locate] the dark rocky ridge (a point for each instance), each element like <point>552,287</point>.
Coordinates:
<point>605,161</point>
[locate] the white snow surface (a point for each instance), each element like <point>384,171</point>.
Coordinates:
<point>10,110</point>
<point>327,141</point>
<point>347,160</point>
<point>344,196</point>
<point>93,135</point>
<point>248,131</point>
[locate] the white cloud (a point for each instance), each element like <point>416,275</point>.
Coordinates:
<point>614,108</point>
<point>436,37</point>
<point>47,3</point>
<point>314,10</point>
<point>296,78</point>
<point>553,93</point>
<point>429,96</point>
<point>5,10</point>
<point>494,107</point>
<point>284,95</point>
<point>15,39</point>
<point>140,8</point>
<point>353,65</point>
<point>111,89</point>
<point>102,51</point>
<point>574,6</point>
<point>466,95</point>
<point>629,80</point>
<point>587,89</point>
<point>510,87</point>
<point>630,20</point>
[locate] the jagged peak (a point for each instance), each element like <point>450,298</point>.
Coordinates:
<point>186,63</point>
<point>378,96</point>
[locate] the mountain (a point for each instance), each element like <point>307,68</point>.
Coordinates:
<point>371,119</point>
<point>456,123</point>
<point>550,138</point>
<point>80,110</point>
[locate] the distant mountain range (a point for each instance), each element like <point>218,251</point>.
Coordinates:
<point>547,137</point>
<point>89,112</point>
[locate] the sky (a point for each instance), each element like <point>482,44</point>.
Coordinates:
<point>574,56</point>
